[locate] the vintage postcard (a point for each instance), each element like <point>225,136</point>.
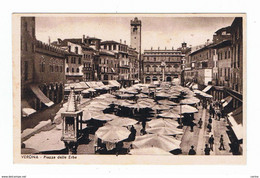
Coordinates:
<point>129,88</point>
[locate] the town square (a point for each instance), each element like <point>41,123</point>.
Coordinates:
<point>91,96</point>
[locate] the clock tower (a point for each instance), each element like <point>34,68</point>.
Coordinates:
<point>136,28</point>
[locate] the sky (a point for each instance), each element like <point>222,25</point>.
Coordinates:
<point>157,31</point>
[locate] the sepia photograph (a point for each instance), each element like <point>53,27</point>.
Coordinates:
<point>117,86</point>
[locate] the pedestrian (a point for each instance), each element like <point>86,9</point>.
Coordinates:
<point>219,115</point>
<point>192,151</point>
<point>213,112</point>
<point>211,142</point>
<point>207,150</point>
<point>210,120</point>
<point>221,141</point>
<point>209,127</point>
<point>191,126</point>
<point>200,123</point>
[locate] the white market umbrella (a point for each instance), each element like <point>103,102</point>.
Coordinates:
<point>112,134</point>
<point>170,114</point>
<point>184,109</point>
<point>167,102</point>
<point>164,131</point>
<point>122,121</point>
<point>141,95</point>
<point>192,100</point>
<point>167,143</point>
<point>162,123</point>
<point>160,107</point>
<point>46,141</point>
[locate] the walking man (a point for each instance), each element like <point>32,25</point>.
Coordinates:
<point>210,120</point>
<point>207,150</point>
<point>213,112</point>
<point>200,123</point>
<point>191,126</point>
<point>192,151</point>
<point>211,142</point>
<point>221,141</point>
<point>209,127</point>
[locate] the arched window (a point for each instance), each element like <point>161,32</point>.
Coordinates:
<point>72,70</point>
<point>77,70</point>
<point>68,69</point>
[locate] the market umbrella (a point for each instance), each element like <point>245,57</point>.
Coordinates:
<point>149,151</point>
<point>147,100</point>
<point>126,95</point>
<point>107,95</point>
<point>142,95</point>
<point>163,123</point>
<point>160,107</point>
<point>145,90</point>
<point>170,114</point>
<point>162,95</point>
<point>102,116</point>
<point>140,105</point>
<point>164,131</point>
<point>131,91</point>
<point>184,109</point>
<point>167,102</point>
<point>112,134</point>
<point>46,141</point>
<point>167,143</point>
<point>90,89</point>
<point>192,100</point>
<point>122,121</point>
<point>122,90</point>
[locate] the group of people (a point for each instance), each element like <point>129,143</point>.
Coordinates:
<point>215,110</point>
<point>209,146</point>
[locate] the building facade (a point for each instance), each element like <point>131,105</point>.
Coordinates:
<point>27,52</point>
<point>162,65</point>
<point>133,63</point>
<point>42,70</point>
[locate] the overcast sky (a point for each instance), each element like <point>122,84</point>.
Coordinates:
<point>156,31</point>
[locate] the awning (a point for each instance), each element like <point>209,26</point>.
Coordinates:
<point>84,85</point>
<point>41,96</point>
<point>92,84</point>
<point>227,100</point>
<point>26,109</point>
<point>114,83</point>
<point>195,86</point>
<point>100,84</point>
<point>207,88</point>
<point>235,119</point>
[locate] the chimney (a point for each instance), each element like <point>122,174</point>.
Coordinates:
<point>158,47</point>
<point>120,41</point>
<point>165,48</point>
<point>125,41</point>
<point>151,48</point>
<point>172,48</point>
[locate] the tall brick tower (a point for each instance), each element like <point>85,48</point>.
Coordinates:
<point>136,29</point>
